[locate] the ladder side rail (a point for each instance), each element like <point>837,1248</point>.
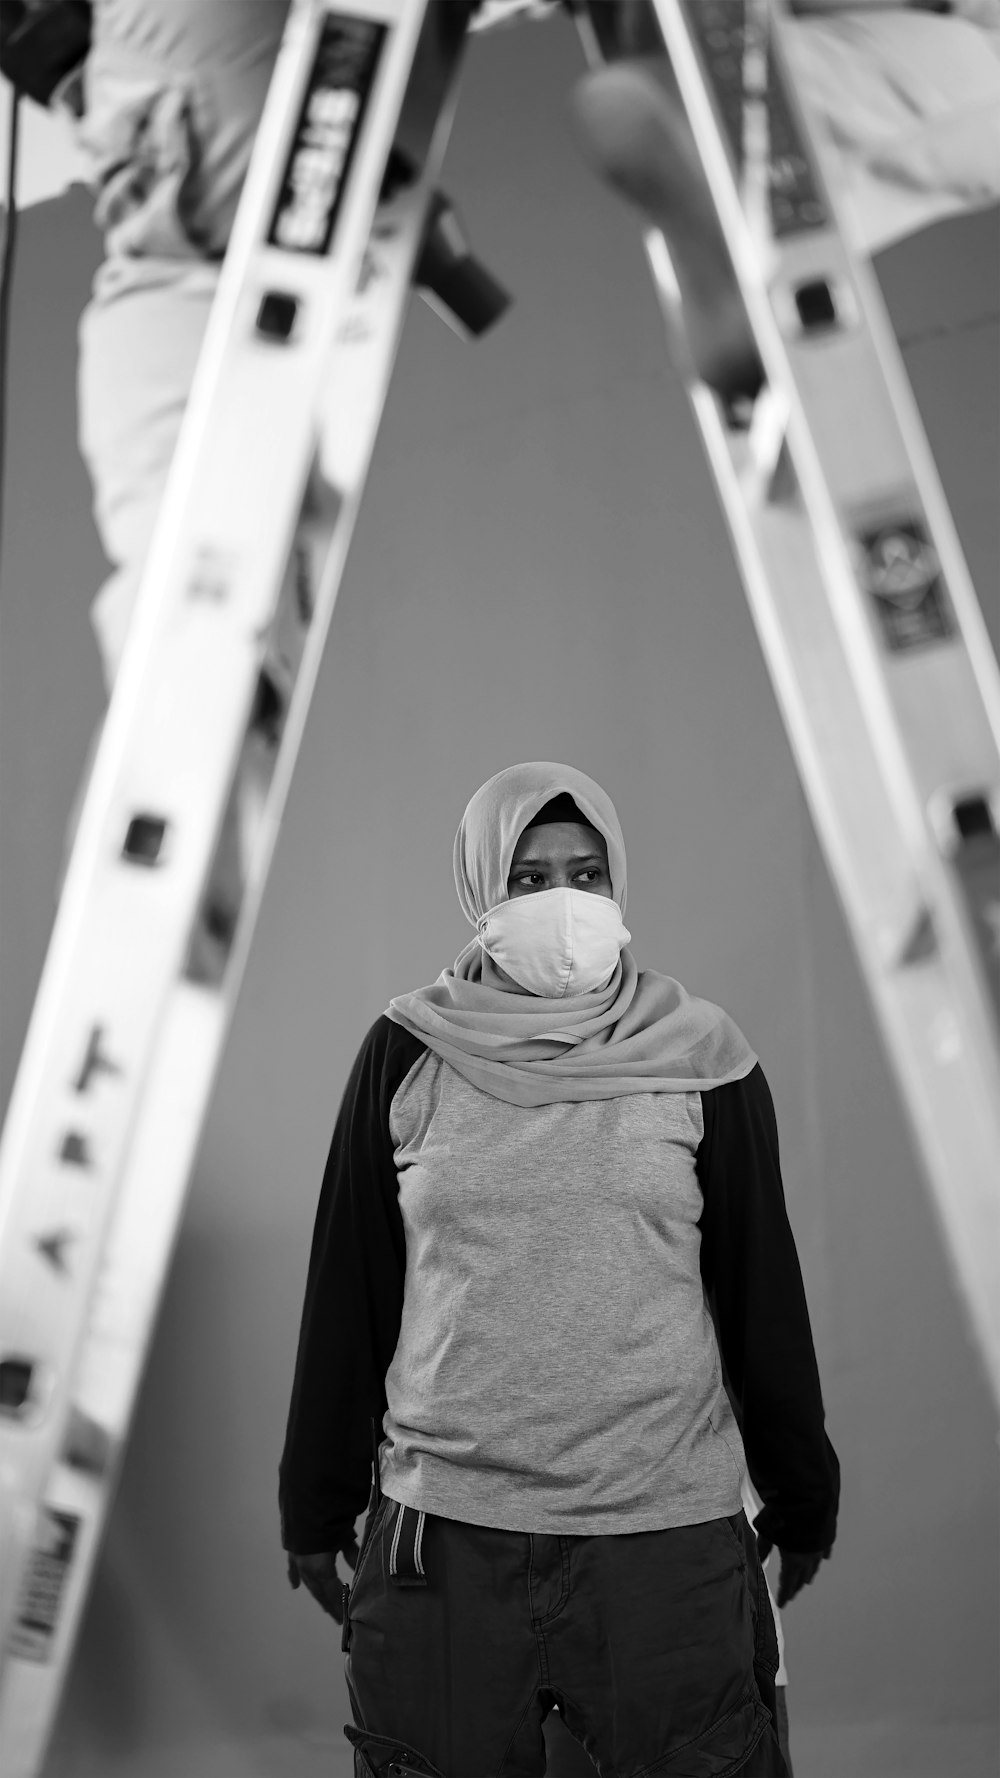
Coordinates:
<point>141,676</point>
<point>947,1088</point>
<point>353,390</point>
<point>879,457</point>
<point>965,1020</point>
<point>130,776</point>
<point>79,1492</point>
<point>150,1203</point>
<point>947,1080</point>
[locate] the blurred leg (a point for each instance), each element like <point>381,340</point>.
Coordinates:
<point>635,132</point>
<point>907,113</point>
<point>173,95</point>
<point>174,91</point>
<point>140,338</point>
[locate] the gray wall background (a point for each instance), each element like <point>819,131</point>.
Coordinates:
<point>540,571</point>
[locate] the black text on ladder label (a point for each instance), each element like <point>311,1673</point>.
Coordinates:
<point>44,1585</point>
<point>326,136</point>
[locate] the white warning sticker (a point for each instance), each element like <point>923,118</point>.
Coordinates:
<point>37,1616</point>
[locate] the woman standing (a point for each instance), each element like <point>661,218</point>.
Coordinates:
<point>551,1213</point>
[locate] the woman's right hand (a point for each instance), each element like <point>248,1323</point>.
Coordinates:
<point>318,1573</point>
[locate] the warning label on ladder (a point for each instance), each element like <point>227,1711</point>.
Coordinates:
<point>903,575</point>
<point>45,1581</point>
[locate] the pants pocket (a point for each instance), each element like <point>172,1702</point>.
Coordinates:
<point>382,1756</point>
<point>373,1523</point>
<point>732,1524</point>
<point>767,1658</point>
<point>742,1742</point>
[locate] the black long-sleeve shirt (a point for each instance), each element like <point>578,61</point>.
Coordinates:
<point>353,1333</point>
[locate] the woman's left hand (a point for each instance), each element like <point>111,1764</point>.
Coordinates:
<point>798,1568</point>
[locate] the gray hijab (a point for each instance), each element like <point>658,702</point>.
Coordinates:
<point>642,1033</point>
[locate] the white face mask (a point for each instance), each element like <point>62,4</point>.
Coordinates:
<point>555,941</point>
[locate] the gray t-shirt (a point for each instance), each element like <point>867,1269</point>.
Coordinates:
<point>557,1369</point>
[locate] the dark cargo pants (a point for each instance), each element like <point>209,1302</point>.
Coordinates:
<point>659,1648</point>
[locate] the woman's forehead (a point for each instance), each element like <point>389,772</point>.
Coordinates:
<point>560,836</point>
